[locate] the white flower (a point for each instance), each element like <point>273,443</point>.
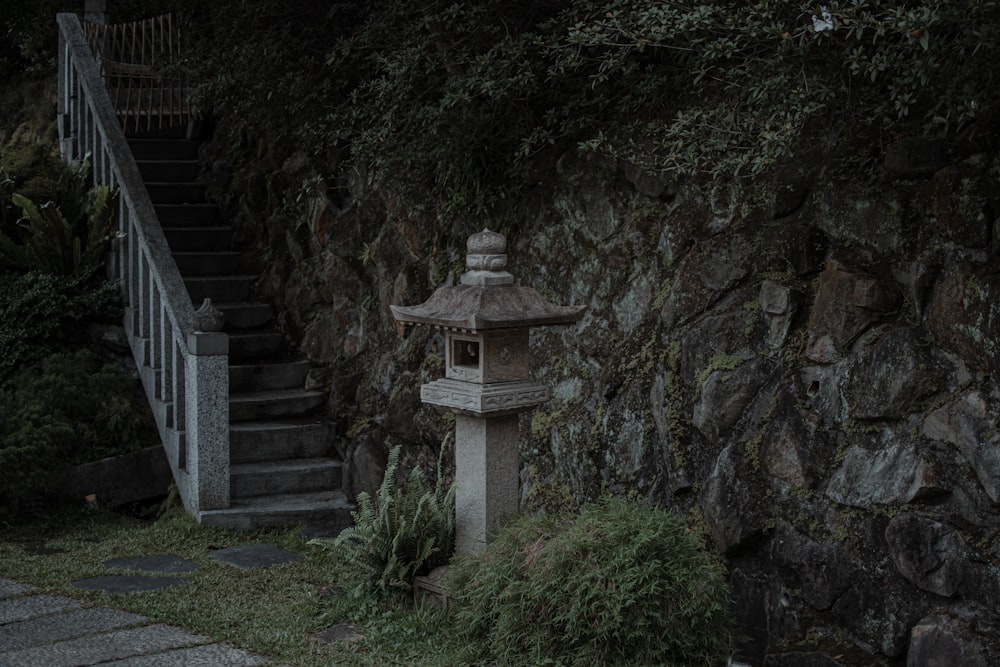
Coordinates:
<point>825,23</point>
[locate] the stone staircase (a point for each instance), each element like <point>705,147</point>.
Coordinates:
<point>281,468</point>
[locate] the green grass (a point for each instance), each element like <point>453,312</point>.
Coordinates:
<point>268,610</point>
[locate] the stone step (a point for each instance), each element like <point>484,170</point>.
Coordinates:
<point>198,239</point>
<point>207,263</point>
<point>224,289</point>
<point>255,345</point>
<point>187,215</point>
<point>176,193</point>
<point>254,442</point>
<point>281,510</point>
<point>264,377</point>
<point>266,405</point>
<point>175,127</point>
<point>135,99</point>
<point>241,316</point>
<point>168,171</point>
<point>163,149</point>
<point>268,478</point>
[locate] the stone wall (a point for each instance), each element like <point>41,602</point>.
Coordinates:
<point>808,368</point>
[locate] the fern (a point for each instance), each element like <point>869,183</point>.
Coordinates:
<point>400,533</point>
<point>54,244</point>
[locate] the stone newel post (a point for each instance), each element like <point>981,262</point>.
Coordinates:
<point>487,383</point>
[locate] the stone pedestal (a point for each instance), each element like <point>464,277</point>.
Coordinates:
<point>486,321</point>
<point>487,476</point>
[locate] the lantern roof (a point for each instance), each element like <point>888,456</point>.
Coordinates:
<point>487,297</point>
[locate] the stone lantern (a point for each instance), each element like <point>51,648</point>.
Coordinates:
<point>486,321</point>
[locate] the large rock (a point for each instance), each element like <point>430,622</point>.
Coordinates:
<point>790,441</point>
<point>847,303</point>
<point>964,315</point>
<point>820,572</point>
<point>587,206</point>
<point>715,336</point>
<point>626,445</point>
<point>891,375</point>
<point>876,613</point>
<point>667,416</point>
<point>647,183</point>
<point>968,423</point>
<point>779,304</point>
<point>725,394</point>
<point>954,207</point>
<point>854,216</point>
<point>704,276</point>
<point>730,506</point>
<point>890,473</point>
<point>946,638</point>
<point>929,554</point>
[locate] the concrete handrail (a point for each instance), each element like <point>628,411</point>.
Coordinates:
<point>184,371</point>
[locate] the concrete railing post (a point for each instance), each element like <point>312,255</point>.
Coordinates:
<point>207,421</point>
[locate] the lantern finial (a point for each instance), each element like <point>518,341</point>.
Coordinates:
<point>486,260</point>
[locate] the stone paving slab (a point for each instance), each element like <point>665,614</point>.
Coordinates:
<point>10,589</point>
<point>246,556</point>
<point>164,563</point>
<point>33,606</point>
<point>69,625</point>
<point>208,655</point>
<point>126,583</point>
<point>95,649</point>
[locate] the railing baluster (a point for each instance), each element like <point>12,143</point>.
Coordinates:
<point>134,261</point>
<point>142,303</point>
<point>155,334</point>
<point>180,415</point>
<point>164,351</point>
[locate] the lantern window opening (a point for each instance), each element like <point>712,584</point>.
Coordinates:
<point>466,353</point>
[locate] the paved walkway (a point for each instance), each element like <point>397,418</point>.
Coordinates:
<point>41,630</point>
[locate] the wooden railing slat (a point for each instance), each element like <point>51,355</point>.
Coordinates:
<point>131,55</point>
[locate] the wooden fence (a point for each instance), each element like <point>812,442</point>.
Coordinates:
<point>138,61</point>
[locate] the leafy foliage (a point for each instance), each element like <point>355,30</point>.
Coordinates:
<point>66,225</point>
<point>456,107</point>
<point>405,530</point>
<point>33,168</point>
<point>53,244</point>
<point>624,583</point>
<point>762,74</point>
<point>69,408</point>
<point>41,313</point>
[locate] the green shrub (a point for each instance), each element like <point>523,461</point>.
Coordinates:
<point>34,169</point>
<point>65,225</point>
<point>41,313</point>
<point>624,583</point>
<point>454,107</point>
<point>404,531</point>
<point>67,409</point>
